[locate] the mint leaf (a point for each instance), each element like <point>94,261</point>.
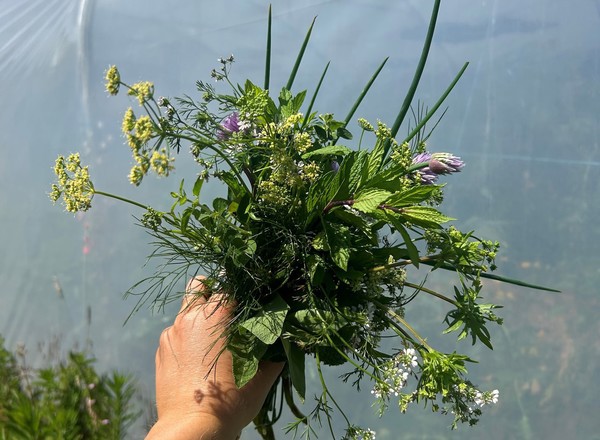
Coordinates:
<point>368,200</point>
<point>268,324</point>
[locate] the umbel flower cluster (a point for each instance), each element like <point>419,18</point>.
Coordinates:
<point>312,239</point>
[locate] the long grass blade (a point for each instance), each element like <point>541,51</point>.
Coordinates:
<point>314,97</point>
<point>490,276</point>
<point>517,282</point>
<point>299,58</point>
<point>364,92</point>
<point>268,55</point>
<point>417,77</point>
<point>437,105</point>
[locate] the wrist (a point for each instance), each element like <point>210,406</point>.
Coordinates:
<point>197,427</point>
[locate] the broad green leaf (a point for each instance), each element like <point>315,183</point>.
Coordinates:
<point>320,193</point>
<point>358,172</point>
<point>388,179</point>
<point>236,189</point>
<point>425,216</point>
<point>352,218</point>
<point>198,186</point>
<point>368,200</point>
<point>331,150</point>
<point>268,324</point>
<point>412,196</point>
<point>375,158</point>
<point>296,360</point>
<point>220,204</point>
<point>343,133</point>
<point>297,101</point>
<point>339,244</point>
<point>244,369</point>
<point>340,257</point>
<point>246,351</point>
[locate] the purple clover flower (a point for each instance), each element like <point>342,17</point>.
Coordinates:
<point>439,163</point>
<point>229,125</point>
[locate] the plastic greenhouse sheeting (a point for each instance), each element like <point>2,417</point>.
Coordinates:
<point>525,117</point>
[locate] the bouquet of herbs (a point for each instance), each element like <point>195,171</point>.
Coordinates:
<point>312,237</point>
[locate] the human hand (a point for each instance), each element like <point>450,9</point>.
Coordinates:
<point>196,395</point>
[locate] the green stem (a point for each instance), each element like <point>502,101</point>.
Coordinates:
<point>431,292</point>
<point>402,321</point>
<point>354,364</point>
<point>431,258</point>
<point>286,385</point>
<point>218,152</point>
<point>326,393</point>
<point>123,199</point>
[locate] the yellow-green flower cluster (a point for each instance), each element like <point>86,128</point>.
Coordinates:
<point>291,121</point>
<point>128,121</point>
<point>401,154</point>
<point>285,170</point>
<point>302,142</point>
<point>143,91</point>
<point>144,129</point>
<point>161,163</point>
<point>113,80</point>
<point>137,173</point>
<point>74,185</point>
<point>273,193</point>
<point>365,125</point>
<point>383,132</point>
<point>311,172</point>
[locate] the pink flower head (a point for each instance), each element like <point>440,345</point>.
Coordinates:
<point>229,125</point>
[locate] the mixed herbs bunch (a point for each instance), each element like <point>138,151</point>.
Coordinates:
<point>312,238</point>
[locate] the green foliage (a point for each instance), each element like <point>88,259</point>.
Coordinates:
<point>68,401</point>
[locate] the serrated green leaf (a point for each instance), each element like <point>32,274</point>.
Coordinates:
<point>425,216</point>
<point>339,244</point>
<point>244,369</point>
<point>320,193</point>
<point>358,172</point>
<point>268,324</point>
<point>246,351</point>
<point>340,257</point>
<point>330,150</point>
<point>388,179</point>
<point>340,186</point>
<point>368,200</point>
<point>412,196</point>
<point>352,218</point>
<point>375,158</point>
